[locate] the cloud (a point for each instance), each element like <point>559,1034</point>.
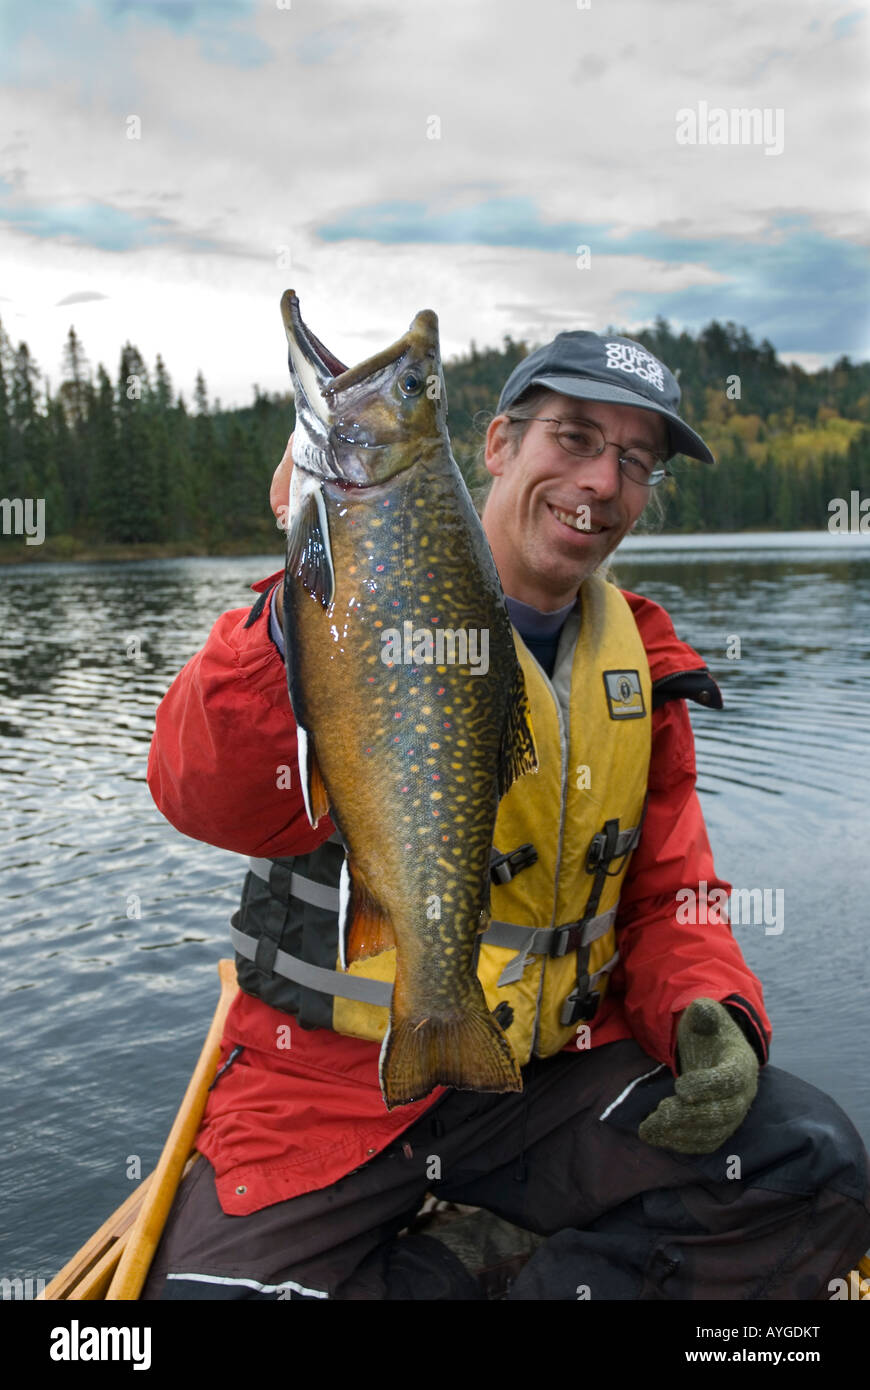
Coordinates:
<point>81,297</point>
<point>845,24</point>
<point>105,227</point>
<point>290,147</point>
<point>220,28</point>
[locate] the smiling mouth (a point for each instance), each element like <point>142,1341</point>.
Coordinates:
<point>572,520</point>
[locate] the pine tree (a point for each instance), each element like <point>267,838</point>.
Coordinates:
<point>25,434</point>
<point>106,500</point>
<point>137,510</point>
<point>207,468</point>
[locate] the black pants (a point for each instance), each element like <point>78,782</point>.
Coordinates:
<point>778,1211</point>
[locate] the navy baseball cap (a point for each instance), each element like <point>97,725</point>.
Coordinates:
<point>604,367</point>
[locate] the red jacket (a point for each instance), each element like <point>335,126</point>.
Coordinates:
<point>284,1120</point>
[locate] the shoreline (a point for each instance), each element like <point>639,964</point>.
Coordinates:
<point>84,553</point>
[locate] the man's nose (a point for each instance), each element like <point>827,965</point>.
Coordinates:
<point>601,474</point>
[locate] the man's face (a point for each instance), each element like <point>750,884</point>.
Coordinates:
<point>541,558</point>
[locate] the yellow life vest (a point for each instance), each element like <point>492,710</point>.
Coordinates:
<point>550,946</point>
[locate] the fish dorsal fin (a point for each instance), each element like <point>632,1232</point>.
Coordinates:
<point>309,556</point>
<point>368,930</point>
<point>517,753</point>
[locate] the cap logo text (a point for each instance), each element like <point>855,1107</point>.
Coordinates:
<point>623,357</point>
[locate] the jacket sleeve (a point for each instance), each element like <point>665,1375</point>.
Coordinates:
<point>668,959</point>
<point>223,762</point>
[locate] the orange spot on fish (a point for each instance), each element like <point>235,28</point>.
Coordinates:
<point>379,568</point>
<point>398,714</point>
<point>436,776</point>
<point>440,690</point>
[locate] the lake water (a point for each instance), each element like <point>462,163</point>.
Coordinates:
<point>104,1012</point>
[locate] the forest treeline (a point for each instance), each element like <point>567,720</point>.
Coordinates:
<point>128,462</point>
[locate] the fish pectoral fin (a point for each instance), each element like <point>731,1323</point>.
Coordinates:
<point>317,792</point>
<point>517,753</point>
<point>370,930</point>
<point>309,554</point>
<point>314,792</point>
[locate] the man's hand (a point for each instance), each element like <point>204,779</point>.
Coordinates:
<point>716,1086</point>
<point>279,492</point>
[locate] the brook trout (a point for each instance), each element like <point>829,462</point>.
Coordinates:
<point>410,703</point>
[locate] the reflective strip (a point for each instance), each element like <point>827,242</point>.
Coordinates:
<point>251,1284</point>
<point>364,991</point>
<point>630,1087</point>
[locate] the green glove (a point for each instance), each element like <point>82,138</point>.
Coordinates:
<point>716,1086</point>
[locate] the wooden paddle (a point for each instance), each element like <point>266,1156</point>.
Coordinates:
<point>135,1228</point>
<point>147,1228</point>
<point>138,1222</point>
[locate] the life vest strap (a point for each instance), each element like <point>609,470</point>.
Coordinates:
<point>307,890</point>
<point>357,987</point>
<point>607,848</point>
<point>503,867</point>
<point>543,941</point>
<point>526,941</point>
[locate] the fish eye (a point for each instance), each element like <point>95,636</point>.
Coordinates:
<point>410,383</point>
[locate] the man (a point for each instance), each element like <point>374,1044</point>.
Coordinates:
<point>652,1146</point>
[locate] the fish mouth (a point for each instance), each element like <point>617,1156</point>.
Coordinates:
<point>312,365</point>
<point>342,422</point>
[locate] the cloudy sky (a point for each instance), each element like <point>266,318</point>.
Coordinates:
<point>169,167</point>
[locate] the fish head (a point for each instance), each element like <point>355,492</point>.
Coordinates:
<point>363,425</point>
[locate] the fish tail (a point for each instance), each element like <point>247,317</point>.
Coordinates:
<point>468,1051</point>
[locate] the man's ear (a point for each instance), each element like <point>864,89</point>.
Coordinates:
<point>499,446</point>
<point>280,488</point>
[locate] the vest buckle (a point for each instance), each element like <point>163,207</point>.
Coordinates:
<point>567,938</point>
<point>580,1005</point>
<point>504,867</point>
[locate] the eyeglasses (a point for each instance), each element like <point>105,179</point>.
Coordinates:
<point>584,440</point>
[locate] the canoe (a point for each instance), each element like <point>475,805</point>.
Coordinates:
<point>114,1263</point>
